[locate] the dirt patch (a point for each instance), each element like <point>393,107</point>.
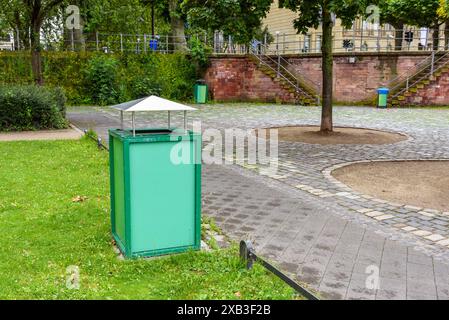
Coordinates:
<point>312,135</point>
<point>66,134</point>
<point>420,183</point>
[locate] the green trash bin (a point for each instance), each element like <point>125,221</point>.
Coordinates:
<point>155,189</point>
<point>200,92</point>
<point>382,97</point>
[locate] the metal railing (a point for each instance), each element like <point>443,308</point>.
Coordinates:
<point>426,70</point>
<point>359,40</point>
<point>314,85</point>
<point>427,64</point>
<point>283,65</point>
<point>344,40</point>
<point>282,72</point>
<point>7,44</point>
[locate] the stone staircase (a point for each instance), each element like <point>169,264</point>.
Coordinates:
<point>413,89</point>
<point>304,90</point>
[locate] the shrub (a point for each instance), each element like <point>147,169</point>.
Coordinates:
<point>200,53</point>
<point>60,99</point>
<point>30,107</point>
<point>101,80</point>
<point>143,87</point>
<point>97,78</point>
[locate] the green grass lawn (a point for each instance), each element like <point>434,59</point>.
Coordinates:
<point>43,231</point>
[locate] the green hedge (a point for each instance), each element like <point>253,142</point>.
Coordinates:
<point>97,78</point>
<point>28,107</point>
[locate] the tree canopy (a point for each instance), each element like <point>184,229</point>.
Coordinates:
<point>443,10</point>
<point>310,12</point>
<point>241,19</point>
<point>420,13</point>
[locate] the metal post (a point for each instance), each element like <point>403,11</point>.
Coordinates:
<point>121,42</point>
<point>378,38</point>
<point>432,67</point>
<point>133,123</point>
<point>283,44</point>
<point>169,120</point>
<point>278,53</point>
<point>166,40</point>
<point>185,120</point>
<point>72,39</point>
<point>18,39</point>
<point>121,120</point>
<point>144,43</point>
<point>353,36</point>
<point>361,38</point>
<point>265,43</point>
<point>97,41</point>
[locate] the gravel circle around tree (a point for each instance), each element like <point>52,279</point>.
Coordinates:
<point>420,183</point>
<point>340,135</point>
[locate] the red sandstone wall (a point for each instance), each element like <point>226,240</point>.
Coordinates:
<point>357,82</point>
<point>238,79</point>
<point>436,93</point>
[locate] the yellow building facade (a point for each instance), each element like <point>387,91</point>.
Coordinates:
<point>362,36</point>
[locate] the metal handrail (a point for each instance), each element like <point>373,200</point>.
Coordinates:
<point>425,76</point>
<point>296,86</point>
<point>430,61</point>
<point>316,86</point>
<point>280,67</point>
<point>282,61</point>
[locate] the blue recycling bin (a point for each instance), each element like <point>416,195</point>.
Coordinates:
<point>153,44</point>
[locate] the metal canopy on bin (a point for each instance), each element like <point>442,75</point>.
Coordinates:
<point>151,103</point>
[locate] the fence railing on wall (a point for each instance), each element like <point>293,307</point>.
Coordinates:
<point>353,40</point>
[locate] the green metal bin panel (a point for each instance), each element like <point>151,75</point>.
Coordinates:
<point>155,203</point>
<point>119,189</point>
<point>383,101</point>
<point>201,93</point>
<point>162,206</point>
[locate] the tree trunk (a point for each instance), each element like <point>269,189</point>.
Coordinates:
<point>36,58</point>
<point>177,27</point>
<point>446,35</point>
<point>17,28</point>
<point>327,66</point>
<point>398,36</point>
<point>436,37</point>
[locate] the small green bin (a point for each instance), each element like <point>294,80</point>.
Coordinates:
<point>155,179</point>
<point>200,92</point>
<point>382,97</point>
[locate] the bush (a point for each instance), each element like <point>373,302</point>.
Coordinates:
<point>101,80</point>
<point>200,53</point>
<point>97,78</point>
<point>30,107</point>
<point>143,87</point>
<point>60,99</point>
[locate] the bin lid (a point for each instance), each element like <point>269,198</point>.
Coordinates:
<point>383,90</point>
<point>152,103</point>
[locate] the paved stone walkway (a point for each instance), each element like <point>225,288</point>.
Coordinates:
<point>65,134</point>
<point>314,227</point>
